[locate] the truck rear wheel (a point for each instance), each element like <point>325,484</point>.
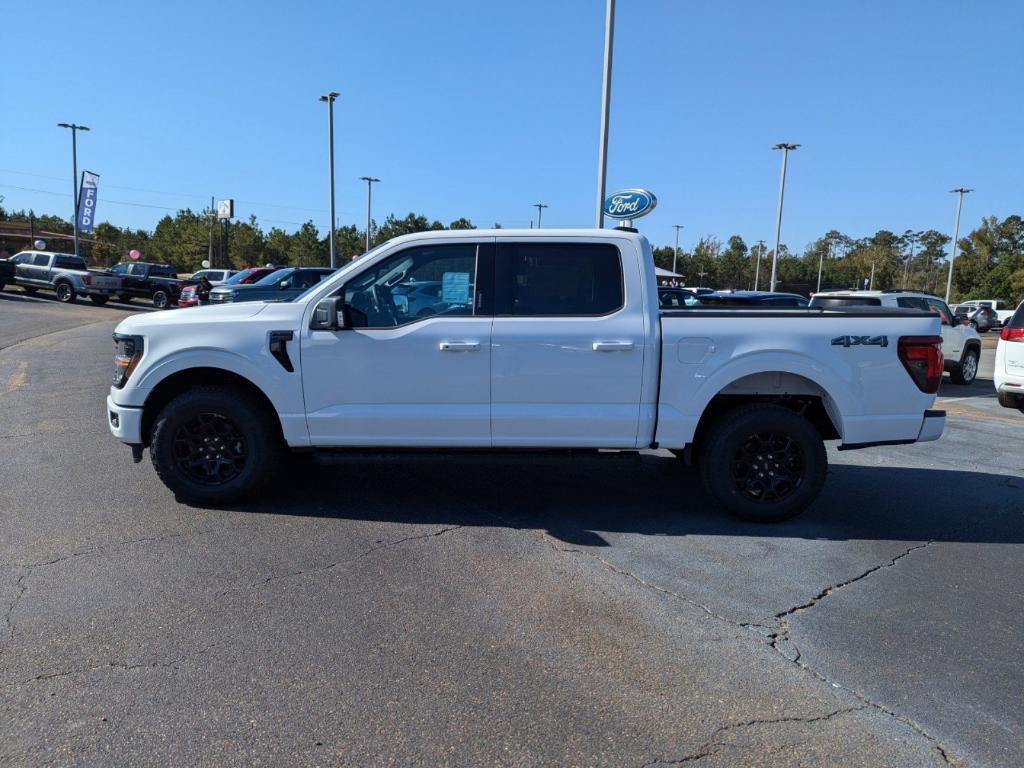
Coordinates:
<point>762,462</point>
<point>214,445</point>
<point>160,299</point>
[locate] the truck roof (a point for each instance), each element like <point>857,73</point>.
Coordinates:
<point>545,234</point>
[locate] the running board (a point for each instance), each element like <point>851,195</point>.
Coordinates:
<point>330,457</point>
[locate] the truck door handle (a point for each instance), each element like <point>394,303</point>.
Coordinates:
<point>459,346</point>
<point>613,346</point>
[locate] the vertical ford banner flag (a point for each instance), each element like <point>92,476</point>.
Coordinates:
<point>87,201</point>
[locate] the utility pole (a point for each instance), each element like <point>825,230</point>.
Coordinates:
<point>871,283</point>
<point>370,181</point>
<point>74,171</point>
<point>757,269</point>
<point>778,212</point>
<point>540,210</point>
<point>960,192</point>
<point>700,283</point>
<point>675,253</point>
<point>213,218</point>
<point>606,97</point>
<point>329,98</point>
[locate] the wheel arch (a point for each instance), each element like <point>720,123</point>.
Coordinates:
<point>182,380</point>
<point>793,391</point>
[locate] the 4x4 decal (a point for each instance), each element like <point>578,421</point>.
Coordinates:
<point>860,341</point>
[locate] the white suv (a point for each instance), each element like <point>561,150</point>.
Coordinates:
<point>961,345</point>
<point>1009,373</point>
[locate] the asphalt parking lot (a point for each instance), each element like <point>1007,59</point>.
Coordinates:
<point>590,613</point>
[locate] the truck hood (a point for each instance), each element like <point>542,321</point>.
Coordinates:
<point>198,316</point>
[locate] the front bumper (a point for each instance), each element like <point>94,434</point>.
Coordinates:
<point>125,422</point>
<point>188,302</point>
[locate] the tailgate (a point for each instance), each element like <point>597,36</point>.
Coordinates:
<point>107,282</point>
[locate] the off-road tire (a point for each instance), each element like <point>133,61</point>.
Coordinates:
<point>174,448</point>
<point>745,448</point>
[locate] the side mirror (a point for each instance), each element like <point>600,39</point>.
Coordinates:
<point>284,284</point>
<point>329,315</point>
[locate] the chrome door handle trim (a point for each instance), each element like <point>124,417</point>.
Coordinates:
<point>613,346</point>
<point>459,346</point>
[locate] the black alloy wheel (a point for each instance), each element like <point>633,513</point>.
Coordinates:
<point>768,467</point>
<point>209,449</point>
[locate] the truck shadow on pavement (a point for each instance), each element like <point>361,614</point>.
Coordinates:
<point>51,299</point>
<point>579,498</point>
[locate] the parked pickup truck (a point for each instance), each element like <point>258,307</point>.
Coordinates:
<point>65,274</point>
<point>141,280</point>
<point>540,340</point>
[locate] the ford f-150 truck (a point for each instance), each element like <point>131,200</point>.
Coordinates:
<point>141,280</point>
<point>65,274</point>
<point>540,340</point>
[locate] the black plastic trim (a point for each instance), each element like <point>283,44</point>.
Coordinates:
<point>857,446</point>
<point>934,414</point>
<point>279,348</point>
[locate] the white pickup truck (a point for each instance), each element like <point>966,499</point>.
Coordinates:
<point>542,340</point>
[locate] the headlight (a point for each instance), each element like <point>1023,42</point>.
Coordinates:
<point>127,353</point>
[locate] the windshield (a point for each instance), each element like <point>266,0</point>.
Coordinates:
<point>275,277</point>
<point>238,277</point>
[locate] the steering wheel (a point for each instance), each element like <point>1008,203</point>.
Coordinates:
<point>385,304</point>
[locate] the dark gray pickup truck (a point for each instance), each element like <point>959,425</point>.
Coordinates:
<point>65,274</point>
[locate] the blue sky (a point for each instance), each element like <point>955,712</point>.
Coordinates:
<point>479,108</point>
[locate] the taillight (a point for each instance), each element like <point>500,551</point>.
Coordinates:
<point>87,279</point>
<point>1011,334</point>
<point>922,357</point>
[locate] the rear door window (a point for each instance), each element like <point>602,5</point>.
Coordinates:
<point>40,260</point>
<point>914,302</point>
<point>1017,321</point>
<point>558,279</point>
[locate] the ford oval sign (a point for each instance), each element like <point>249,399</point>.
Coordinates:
<point>629,204</point>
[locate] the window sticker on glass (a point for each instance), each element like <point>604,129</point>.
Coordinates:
<point>455,288</point>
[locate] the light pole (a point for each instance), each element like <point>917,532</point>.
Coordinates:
<point>370,181</point>
<point>871,283</point>
<point>675,253</point>
<point>74,171</point>
<point>329,98</point>
<point>757,269</point>
<point>960,191</point>
<point>540,210</point>
<point>778,213</point>
<point>606,97</point>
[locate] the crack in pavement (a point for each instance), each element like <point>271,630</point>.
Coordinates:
<point>154,664</point>
<point>778,636</point>
<point>348,560</point>
<point>713,744</point>
<point>30,568</point>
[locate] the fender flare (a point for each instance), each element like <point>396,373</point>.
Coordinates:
<point>210,357</point>
<point>839,398</point>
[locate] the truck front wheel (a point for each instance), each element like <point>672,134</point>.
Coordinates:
<point>213,445</point>
<point>762,462</point>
